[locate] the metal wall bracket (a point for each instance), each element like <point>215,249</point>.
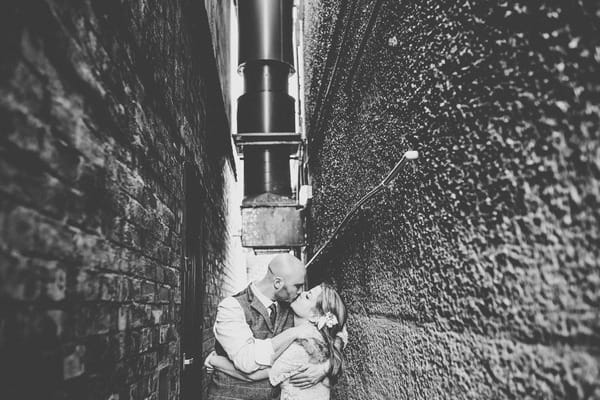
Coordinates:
<point>291,139</point>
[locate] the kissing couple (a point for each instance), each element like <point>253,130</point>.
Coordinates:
<point>275,341</point>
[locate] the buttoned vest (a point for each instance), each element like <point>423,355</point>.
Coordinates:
<point>222,386</point>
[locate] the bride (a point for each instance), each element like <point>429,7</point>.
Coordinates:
<point>323,309</point>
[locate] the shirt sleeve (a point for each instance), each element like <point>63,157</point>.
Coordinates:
<point>288,364</point>
<point>233,333</point>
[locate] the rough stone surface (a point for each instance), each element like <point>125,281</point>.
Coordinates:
<point>101,105</point>
<point>477,274</point>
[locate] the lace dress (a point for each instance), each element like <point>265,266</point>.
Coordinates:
<point>310,350</point>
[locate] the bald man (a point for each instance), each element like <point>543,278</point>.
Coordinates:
<point>257,324</point>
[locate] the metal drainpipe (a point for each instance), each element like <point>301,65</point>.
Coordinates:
<point>266,124</point>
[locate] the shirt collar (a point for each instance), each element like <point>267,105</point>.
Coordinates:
<point>261,297</point>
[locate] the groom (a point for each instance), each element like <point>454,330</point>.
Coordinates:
<point>254,326</point>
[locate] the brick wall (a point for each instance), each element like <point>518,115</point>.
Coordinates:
<point>101,103</point>
<point>219,13</point>
<point>477,275</point>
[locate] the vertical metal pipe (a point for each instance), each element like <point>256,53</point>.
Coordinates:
<point>265,29</point>
<point>267,176</point>
<point>266,61</point>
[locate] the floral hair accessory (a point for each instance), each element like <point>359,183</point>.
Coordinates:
<point>327,320</point>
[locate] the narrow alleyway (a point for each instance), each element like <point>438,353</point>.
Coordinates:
<point>124,167</point>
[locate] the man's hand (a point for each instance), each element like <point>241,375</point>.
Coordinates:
<point>309,375</point>
<point>209,367</point>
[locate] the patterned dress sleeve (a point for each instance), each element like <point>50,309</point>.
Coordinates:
<point>288,364</point>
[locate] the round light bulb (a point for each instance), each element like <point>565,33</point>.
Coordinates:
<point>411,155</point>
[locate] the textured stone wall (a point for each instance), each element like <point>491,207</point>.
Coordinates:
<point>219,14</point>
<point>477,275</point>
<point>101,103</point>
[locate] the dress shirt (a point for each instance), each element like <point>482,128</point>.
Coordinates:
<point>261,297</point>
<point>233,333</point>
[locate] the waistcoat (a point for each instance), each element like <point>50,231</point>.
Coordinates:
<point>222,386</point>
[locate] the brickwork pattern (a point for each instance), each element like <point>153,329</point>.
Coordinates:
<point>101,102</point>
<point>477,275</point>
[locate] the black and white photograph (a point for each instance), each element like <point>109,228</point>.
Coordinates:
<point>299,200</point>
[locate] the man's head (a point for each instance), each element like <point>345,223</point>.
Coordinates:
<point>286,275</point>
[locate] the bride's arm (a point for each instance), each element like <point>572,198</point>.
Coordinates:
<point>224,365</point>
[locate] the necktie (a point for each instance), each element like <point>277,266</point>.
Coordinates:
<point>273,316</point>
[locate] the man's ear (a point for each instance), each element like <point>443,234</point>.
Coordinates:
<point>278,283</point>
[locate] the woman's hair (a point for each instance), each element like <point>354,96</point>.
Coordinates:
<point>330,301</point>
